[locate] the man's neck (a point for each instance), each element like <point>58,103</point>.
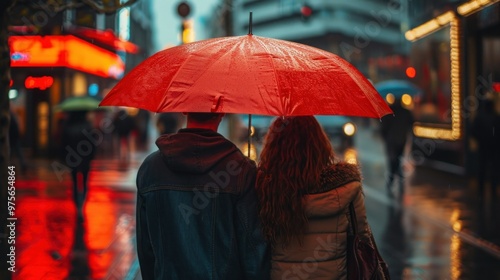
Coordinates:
<point>209,126</point>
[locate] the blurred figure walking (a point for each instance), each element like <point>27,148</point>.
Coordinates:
<point>167,123</point>
<point>124,125</point>
<point>79,152</point>
<point>395,132</point>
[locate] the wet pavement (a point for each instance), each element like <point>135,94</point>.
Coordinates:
<point>52,244</point>
<point>437,230</point>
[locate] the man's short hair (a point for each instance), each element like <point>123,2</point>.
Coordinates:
<point>203,117</point>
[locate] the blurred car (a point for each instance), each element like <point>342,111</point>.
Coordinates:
<point>340,129</point>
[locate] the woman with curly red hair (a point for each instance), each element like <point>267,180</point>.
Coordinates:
<point>305,195</point>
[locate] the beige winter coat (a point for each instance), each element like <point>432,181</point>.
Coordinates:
<point>322,254</point>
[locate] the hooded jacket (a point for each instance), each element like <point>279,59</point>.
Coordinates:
<point>322,254</point>
<point>197,211</point>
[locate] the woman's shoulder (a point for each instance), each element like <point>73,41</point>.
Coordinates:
<point>339,174</point>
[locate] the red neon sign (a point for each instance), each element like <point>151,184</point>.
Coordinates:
<point>38,82</point>
<point>64,51</point>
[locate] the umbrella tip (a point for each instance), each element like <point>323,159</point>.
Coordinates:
<point>250,24</point>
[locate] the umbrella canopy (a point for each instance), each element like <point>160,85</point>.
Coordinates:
<point>248,74</point>
<point>397,88</point>
<point>78,103</point>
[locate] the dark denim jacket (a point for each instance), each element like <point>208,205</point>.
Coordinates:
<point>197,211</point>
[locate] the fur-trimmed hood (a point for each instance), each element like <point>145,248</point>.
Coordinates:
<point>339,185</point>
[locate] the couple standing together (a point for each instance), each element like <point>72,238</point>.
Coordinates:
<point>205,211</point>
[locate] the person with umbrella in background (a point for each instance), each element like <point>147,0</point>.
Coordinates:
<point>124,125</point>
<point>78,153</point>
<point>197,209</point>
<point>395,131</point>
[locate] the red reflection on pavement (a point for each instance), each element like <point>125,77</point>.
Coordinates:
<point>45,236</point>
<point>50,245</point>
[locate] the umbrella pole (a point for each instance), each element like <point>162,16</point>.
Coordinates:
<point>249,133</point>
<point>250,24</point>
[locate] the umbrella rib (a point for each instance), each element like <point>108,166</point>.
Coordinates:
<point>275,74</point>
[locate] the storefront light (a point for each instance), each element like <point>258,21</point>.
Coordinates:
<point>430,26</point>
<point>93,89</point>
<point>64,51</point>
<point>13,93</point>
<point>473,6</point>
<point>427,131</point>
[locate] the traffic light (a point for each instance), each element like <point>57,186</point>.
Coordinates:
<point>306,11</point>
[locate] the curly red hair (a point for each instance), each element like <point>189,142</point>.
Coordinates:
<point>295,152</point>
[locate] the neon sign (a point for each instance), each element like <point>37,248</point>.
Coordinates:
<point>64,51</point>
<point>19,56</point>
<point>38,82</point>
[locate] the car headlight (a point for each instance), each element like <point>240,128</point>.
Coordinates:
<point>349,129</point>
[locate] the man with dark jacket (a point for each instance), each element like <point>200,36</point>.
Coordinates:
<point>197,208</point>
<point>395,130</point>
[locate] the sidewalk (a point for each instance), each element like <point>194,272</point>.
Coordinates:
<point>446,200</point>
<point>51,244</point>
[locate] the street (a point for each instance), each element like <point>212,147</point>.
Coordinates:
<point>435,231</point>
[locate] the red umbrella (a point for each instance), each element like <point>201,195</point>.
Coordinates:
<point>248,74</point>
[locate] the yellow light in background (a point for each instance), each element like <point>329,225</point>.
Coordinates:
<point>420,130</point>
<point>351,156</point>
<point>43,123</point>
<point>188,32</point>
<point>252,130</point>
<point>455,257</point>
<point>79,84</point>
<point>429,26</point>
<point>406,100</point>
<point>473,6</point>
<point>390,98</point>
<point>132,111</point>
<point>253,150</point>
<point>349,129</point>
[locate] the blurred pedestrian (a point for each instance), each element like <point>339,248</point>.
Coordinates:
<point>79,152</point>
<point>305,197</point>
<point>197,208</point>
<point>124,125</point>
<point>15,142</point>
<point>486,131</point>
<point>396,131</point>
<point>142,125</point>
<point>167,123</point>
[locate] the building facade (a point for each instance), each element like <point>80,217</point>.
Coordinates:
<point>365,33</point>
<point>59,55</point>
<point>455,50</point>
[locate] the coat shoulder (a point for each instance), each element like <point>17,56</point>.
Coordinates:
<point>337,175</point>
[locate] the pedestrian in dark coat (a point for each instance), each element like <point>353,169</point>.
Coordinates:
<point>395,131</point>
<point>197,208</point>
<point>124,125</point>
<point>79,151</point>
